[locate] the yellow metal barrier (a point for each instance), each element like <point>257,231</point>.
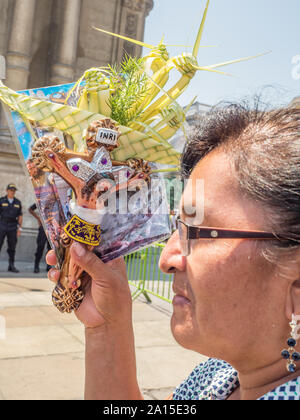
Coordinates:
<point>145,276</point>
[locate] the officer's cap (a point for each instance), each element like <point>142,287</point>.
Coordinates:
<point>11,187</point>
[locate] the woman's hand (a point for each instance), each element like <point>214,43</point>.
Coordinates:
<point>106,312</point>
<point>107,295</point>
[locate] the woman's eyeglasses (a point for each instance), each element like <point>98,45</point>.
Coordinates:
<point>187,232</point>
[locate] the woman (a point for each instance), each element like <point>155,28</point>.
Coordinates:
<point>236,284</point>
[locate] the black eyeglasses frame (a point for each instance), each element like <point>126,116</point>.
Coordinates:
<point>204,232</point>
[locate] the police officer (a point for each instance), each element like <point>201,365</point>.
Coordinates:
<point>41,240</point>
<point>11,219</point>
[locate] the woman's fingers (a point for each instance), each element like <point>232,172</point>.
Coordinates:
<point>90,263</point>
<point>112,273</point>
<point>53,275</point>
<point>51,258</point>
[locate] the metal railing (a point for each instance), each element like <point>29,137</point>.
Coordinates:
<point>145,276</point>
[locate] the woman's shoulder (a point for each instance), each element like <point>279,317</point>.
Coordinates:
<point>214,379</point>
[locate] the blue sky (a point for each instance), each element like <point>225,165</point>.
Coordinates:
<point>238,28</point>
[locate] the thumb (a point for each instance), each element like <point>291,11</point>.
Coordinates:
<point>87,260</point>
<point>91,264</point>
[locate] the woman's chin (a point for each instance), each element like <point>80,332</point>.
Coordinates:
<point>182,330</point>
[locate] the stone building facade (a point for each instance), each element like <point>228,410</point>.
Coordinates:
<point>49,42</point>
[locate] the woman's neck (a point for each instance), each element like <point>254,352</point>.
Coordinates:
<point>254,384</point>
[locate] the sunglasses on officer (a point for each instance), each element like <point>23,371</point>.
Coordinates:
<point>188,232</point>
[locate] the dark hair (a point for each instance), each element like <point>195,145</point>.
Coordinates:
<point>264,147</point>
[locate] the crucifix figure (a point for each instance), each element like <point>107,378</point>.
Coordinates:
<point>92,175</point>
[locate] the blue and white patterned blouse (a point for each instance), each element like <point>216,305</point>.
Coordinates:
<point>216,380</point>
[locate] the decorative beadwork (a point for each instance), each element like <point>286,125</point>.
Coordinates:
<point>81,231</point>
<point>86,170</point>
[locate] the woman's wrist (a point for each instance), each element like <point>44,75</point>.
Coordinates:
<point>110,363</point>
<point>112,329</point>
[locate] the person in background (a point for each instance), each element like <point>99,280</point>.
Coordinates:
<point>11,219</point>
<point>41,240</point>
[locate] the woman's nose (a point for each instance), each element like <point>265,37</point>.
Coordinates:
<point>171,259</point>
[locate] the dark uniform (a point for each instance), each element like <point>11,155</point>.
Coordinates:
<point>41,241</point>
<point>9,216</point>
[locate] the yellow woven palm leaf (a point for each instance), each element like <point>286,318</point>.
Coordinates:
<point>157,66</point>
<point>158,116</point>
<point>74,121</point>
<point>94,89</point>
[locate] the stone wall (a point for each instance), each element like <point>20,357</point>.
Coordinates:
<point>48,42</point>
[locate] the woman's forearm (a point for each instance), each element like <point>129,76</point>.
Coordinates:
<point>110,365</point>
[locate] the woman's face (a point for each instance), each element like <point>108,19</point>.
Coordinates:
<point>228,298</point>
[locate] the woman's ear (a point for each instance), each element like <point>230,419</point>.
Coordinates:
<point>293,300</point>
<point>289,270</point>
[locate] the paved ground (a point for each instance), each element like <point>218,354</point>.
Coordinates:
<point>42,353</point>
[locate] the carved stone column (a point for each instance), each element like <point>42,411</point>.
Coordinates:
<point>132,25</point>
<point>18,56</point>
<point>64,65</point>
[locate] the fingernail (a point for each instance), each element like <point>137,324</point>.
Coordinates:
<point>79,249</point>
<point>74,284</point>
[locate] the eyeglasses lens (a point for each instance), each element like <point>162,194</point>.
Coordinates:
<point>184,242</point>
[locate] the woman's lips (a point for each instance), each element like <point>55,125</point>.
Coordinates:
<point>180,300</point>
